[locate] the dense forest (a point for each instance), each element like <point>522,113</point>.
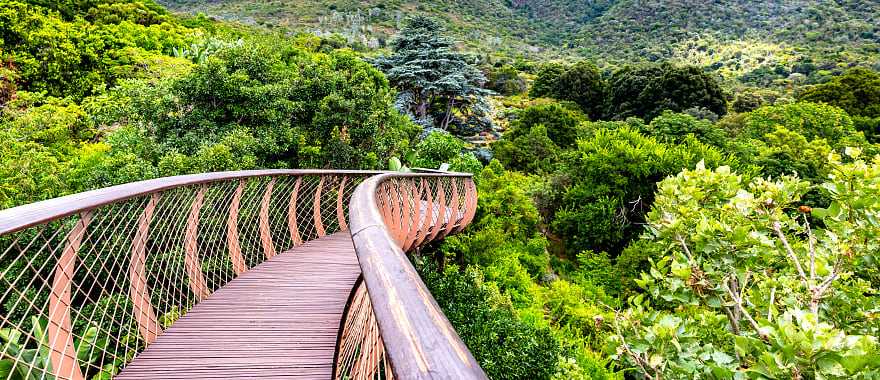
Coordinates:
<point>667,190</point>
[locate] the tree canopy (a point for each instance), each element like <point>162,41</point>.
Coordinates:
<point>646,91</point>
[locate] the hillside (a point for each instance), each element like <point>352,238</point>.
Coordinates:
<point>744,38</point>
<point>755,42</point>
<point>495,25</point>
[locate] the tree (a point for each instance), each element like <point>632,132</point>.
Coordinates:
<point>436,148</point>
<point>71,56</point>
<point>506,347</point>
<point>581,83</point>
<point>546,80</point>
<point>285,108</point>
<point>857,92</point>
<point>431,74</point>
<point>505,80</point>
<point>811,120</point>
<point>537,137</point>
<point>648,90</point>
<point>674,127</point>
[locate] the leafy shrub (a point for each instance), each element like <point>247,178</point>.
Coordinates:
<point>505,347</point>
<point>610,181</point>
<point>537,137</point>
<point>784,278</point>
<point>674,127</point>
<point>808,119</point>
<point>436,148</point>
<point>532,152</point>
<point>505,80</point>
<point>581,83</point>
<point>546,80</point>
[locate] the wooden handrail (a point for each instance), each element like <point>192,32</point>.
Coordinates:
<point>419,340</point>
<point>21,217</point>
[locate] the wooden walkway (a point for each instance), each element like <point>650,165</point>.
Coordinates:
<point>279,320</point>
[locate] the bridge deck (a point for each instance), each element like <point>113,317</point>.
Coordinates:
<point>278,320</point>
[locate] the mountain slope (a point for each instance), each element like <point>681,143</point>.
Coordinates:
<point>738,37</point>
<point>811,31</point>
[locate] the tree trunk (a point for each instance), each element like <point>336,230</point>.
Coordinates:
<point>448,113</point>
<point>421,108</point>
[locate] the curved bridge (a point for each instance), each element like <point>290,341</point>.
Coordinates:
<point>251,274</point>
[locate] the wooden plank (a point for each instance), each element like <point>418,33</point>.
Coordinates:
<point>279,319</point>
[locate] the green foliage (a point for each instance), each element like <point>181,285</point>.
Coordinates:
<point>581,83</point>
<point>857,92</point>
<point>8,88</point>
<point>507,239</point>
<point>254,102</point>
<point>436,148</point>
<point>786,152</point>
<point>506,245</point>
<point>738,252</point>
<point>648,90</point>
<point>808,119</point>
<point>532,152</point>
<point>561,122</point>
<point>610,181</point>
<point>752,42</point>
<point>746,41</point>
<point>505,80</point>
<point>250,106</point>
<point>506,347</point>
<point>75,57</point>
<point>537,137</point>
<point>675,127</point>
<point>869,126</point>
<point>749,99</point>
<point>23,363</point>
<point>547,80</point>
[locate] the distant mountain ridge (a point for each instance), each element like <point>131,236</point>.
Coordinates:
<point>739,36</point>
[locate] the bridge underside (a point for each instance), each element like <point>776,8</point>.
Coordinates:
<point>278,320</point>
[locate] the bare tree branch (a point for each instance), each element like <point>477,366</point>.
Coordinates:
<point>777,227</point>
<point>685,247</point>
<point>812,242</point>
<point>739,303</point>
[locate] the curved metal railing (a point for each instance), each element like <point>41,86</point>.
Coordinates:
<point>393,325</point>
<point>89,280</point>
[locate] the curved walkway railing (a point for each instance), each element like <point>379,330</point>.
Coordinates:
<point>88,281</point>
<point>404,332</point>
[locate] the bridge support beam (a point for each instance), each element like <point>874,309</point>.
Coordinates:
<point>232,238</point>
<point>292,223</point>
<point>265,230</point>
<point>59,330</point>
<point>139,290</point>
<point>197,282</point>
